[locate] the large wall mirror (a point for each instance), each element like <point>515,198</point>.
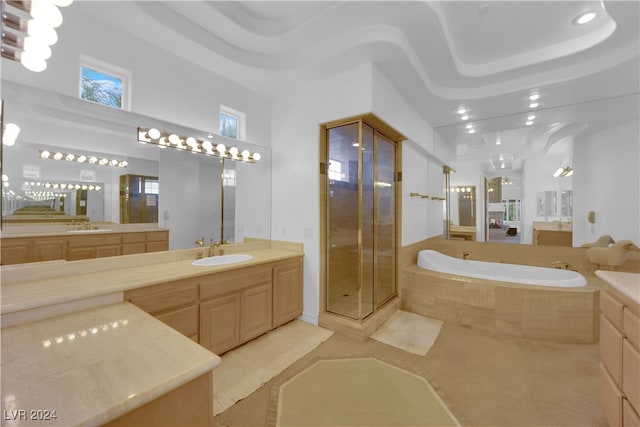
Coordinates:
<point>196,195</point>
<point>526,171</point>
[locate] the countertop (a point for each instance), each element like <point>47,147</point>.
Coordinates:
<point>627,284</point>
<point>42,292</point>
<point>93,366</point>
<point>22,231</point>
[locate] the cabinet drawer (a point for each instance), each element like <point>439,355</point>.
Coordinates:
<point>611,308</point>
<point>157,236</point>
<point>631,327</point>
<point>184,320</point>
<point>83,242</point>
<point>629,417</point>
<point>161,298</point>
<point>610,399</point>
<point>134,238</point>
<point>157,246</point>
<point>611,349</point>
<point>134,248</point>
<point>631,374</point>
<point>222,283</point>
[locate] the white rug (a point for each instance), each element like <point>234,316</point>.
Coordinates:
<point>249,367</point>
<point>409,331</point>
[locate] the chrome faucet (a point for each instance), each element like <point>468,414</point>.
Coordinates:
<point>562,265</point>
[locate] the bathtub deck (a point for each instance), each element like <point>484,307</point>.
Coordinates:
<point>568,315</point>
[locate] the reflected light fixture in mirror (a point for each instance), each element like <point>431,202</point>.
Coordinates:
<point>193,145</point>
<point>83,158</point>
<point>566,171</point>
<point>10,134</point>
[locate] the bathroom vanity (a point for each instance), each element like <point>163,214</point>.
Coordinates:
<point>620,348</point>
<point>48,243</point>
<point>114,341</point>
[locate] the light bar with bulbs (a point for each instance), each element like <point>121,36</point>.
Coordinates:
<point>28,31</point>
<point>82,158</point>
<point>194,145</point>
<point>49,185</point>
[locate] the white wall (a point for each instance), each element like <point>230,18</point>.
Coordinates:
<point>607,181</point>
<point>295,150</point>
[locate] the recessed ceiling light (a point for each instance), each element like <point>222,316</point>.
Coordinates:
<point>465,117</point>
<point>529,123</point>
<point>534,97</point>
<point>531,117</point>
<point>469,125</point>
<point>472,131</point>
<point>498,142</point>
<point>462,110</point>
<point>584,18</point>
<point>534,105</point>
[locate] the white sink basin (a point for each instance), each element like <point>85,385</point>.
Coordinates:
<point>97,230</point>
<point>222,260</point>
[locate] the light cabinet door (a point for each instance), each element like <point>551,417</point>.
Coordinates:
<point>220,323</point>
<point>631,327</point>
<point>631,374</point>
<point>610,398</point>
<point>256,311</point>
<point>611,349</point>
<point>15,251</point>
<point>287,292</point>
<point>184,320</point>
<point>107,251</point>
<point>48,249</point>
<point>75,254</point>
<point>133,248</point>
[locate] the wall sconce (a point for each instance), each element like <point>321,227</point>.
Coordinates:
<point>193,145</point>
<point>82,158</point>
<point>28,39</point>
<point>566,171</point>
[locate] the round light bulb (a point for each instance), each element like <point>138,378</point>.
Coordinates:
<point>256,156</point>
<point>221,148</point>
<point>191,142</point>
<point>153,133</point>
<point>70,157</point>
<point>45,154</point>
<point>57,156</point>
<point>98,188</point>
<point>93,159</point>
<point>113,162</point>
<point>5,177</point>
<point>81,159</point>
<point>37,47</point>
<point>233,151</point>
<point>46,12</point>
<point>207,145</point>
<point>103,162</point>
<point>174,139</point>
<point>42,32</point>
<point>62,3</point>
<point>32,62</point>
<point>245,154</point>
<point>123,164</point>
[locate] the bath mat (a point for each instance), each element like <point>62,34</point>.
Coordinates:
<point>249,367</point>
<point>360,392</point>
<point>409,331</point>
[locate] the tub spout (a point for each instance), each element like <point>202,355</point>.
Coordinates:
<point>465,255</point>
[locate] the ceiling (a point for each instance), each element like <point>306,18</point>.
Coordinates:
<point>485,56</point>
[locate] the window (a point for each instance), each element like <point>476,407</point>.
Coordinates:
<point>511,210</point>
<point>104,84</point>
<point>335,170</point>
<point>232,123</point>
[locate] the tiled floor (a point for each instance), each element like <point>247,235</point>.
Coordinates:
<point>485,380</point>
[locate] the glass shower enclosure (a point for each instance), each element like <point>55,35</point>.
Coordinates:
<point>361,218</point>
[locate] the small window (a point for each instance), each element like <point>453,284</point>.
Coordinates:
<point>232,123</point>
<point>104,84</point>
<point>335,170</point>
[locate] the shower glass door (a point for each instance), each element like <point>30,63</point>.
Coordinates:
<point>361,223</point>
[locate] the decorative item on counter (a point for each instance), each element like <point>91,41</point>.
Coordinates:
<point>612,256</point>
<point>602,242</point>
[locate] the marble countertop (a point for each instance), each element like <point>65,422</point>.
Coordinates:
<point>626,283</point>
<point>93,366</point>
<point>42,292</point>
<point>21,231</point>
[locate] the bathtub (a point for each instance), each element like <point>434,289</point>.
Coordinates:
<point>521,301</point>
<point>512,273</point>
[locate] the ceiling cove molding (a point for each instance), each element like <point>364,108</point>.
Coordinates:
<point>531,57</point>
